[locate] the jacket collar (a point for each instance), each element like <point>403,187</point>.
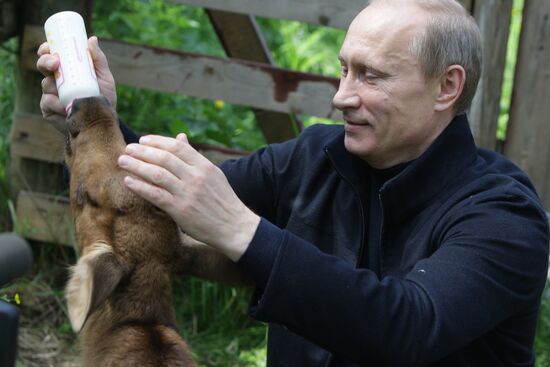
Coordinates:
<point>412,189</point>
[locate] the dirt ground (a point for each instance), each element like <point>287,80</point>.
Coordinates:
<point>44,348</point>
<point>45,338</point>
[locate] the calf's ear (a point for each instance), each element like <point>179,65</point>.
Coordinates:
<point>95,276</point>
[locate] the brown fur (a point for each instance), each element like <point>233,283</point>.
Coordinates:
<point>119,294</point>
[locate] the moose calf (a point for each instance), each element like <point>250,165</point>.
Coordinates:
<point>119,293</point>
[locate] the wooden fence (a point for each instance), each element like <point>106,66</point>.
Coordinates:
<point>248,77</point>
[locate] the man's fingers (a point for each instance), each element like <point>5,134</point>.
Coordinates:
<point>47,64</point>
<point>98,56</point>
<point>158,157</point>
<point>104,76</point>
<point>179,147</point>
<point>53,111</point>
<point>154,194</point>
<point>48,85</point>
<point>51,105</point>
<point>156,175</point>
<point>44,48</point>
<point>182,137</point>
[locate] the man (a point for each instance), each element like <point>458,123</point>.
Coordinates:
<point>390,241</point>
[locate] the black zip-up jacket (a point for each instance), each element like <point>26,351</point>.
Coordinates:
<point>462,261</point>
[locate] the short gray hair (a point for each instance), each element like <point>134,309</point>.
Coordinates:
<point>451,37</point>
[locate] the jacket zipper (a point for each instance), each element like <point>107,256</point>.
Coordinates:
<point>380,247</point>
<point>362,219</point>
<point>361,213</point>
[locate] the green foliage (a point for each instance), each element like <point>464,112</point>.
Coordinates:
<point>161,24</point>
<point>157,23</point>
<point>214,321</point>
<point>542,339</point>
<point>511,56</point>
<point>7,93</point>
<point>304,47</point>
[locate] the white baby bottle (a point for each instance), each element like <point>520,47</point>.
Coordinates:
<point>75,78</point>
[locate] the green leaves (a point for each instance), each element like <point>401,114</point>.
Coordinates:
<point>7,98</point>
<point>294,45</point>
<point>303,47</point>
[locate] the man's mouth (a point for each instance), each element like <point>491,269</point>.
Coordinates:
<point>357,123</point>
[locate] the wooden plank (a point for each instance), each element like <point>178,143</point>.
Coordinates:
<point>234,81</point>
<point>217,157</point>
<point>240,37</point>
<point>33,37</point>
<point>528,135</point>
<point>493,17</point>
<point>217,154</point>
<point>238,82</point>
<point>44,217</point>
<point>35,138</point>
<point>332,13</point>
<point>8,17</point>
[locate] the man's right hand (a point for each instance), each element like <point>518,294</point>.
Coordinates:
<point>50,105</point>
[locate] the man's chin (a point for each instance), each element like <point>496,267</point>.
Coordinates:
<point>355,145</point>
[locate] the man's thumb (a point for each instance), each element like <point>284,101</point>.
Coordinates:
<point>98,57</point>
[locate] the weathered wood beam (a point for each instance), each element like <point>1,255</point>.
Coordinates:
<point>8,19</point>
<point>241,39</point>
<point>240,36</point>
<point>528,134</point>
<point>238,82</point>
<point>332,13</point>
<point>35,138</point>
<point>234,81</point>
<point>44,217</point>
<point>493,17</point>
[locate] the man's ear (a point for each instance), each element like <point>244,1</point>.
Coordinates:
<point>451,84</point>
<point>93,279</point>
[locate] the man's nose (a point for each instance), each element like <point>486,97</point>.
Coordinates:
<point>346,97</point>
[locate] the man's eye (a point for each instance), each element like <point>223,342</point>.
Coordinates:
<point>344,71</point>
<point>371,76</point>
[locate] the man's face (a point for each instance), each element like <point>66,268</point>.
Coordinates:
<point>387,104</point>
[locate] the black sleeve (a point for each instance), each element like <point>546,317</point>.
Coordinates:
<point>493,258</point>
<point>129,135</point>
<point>257,178</point>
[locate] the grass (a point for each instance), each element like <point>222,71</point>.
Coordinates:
<point>212,317</point>
<point>542,339</point>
